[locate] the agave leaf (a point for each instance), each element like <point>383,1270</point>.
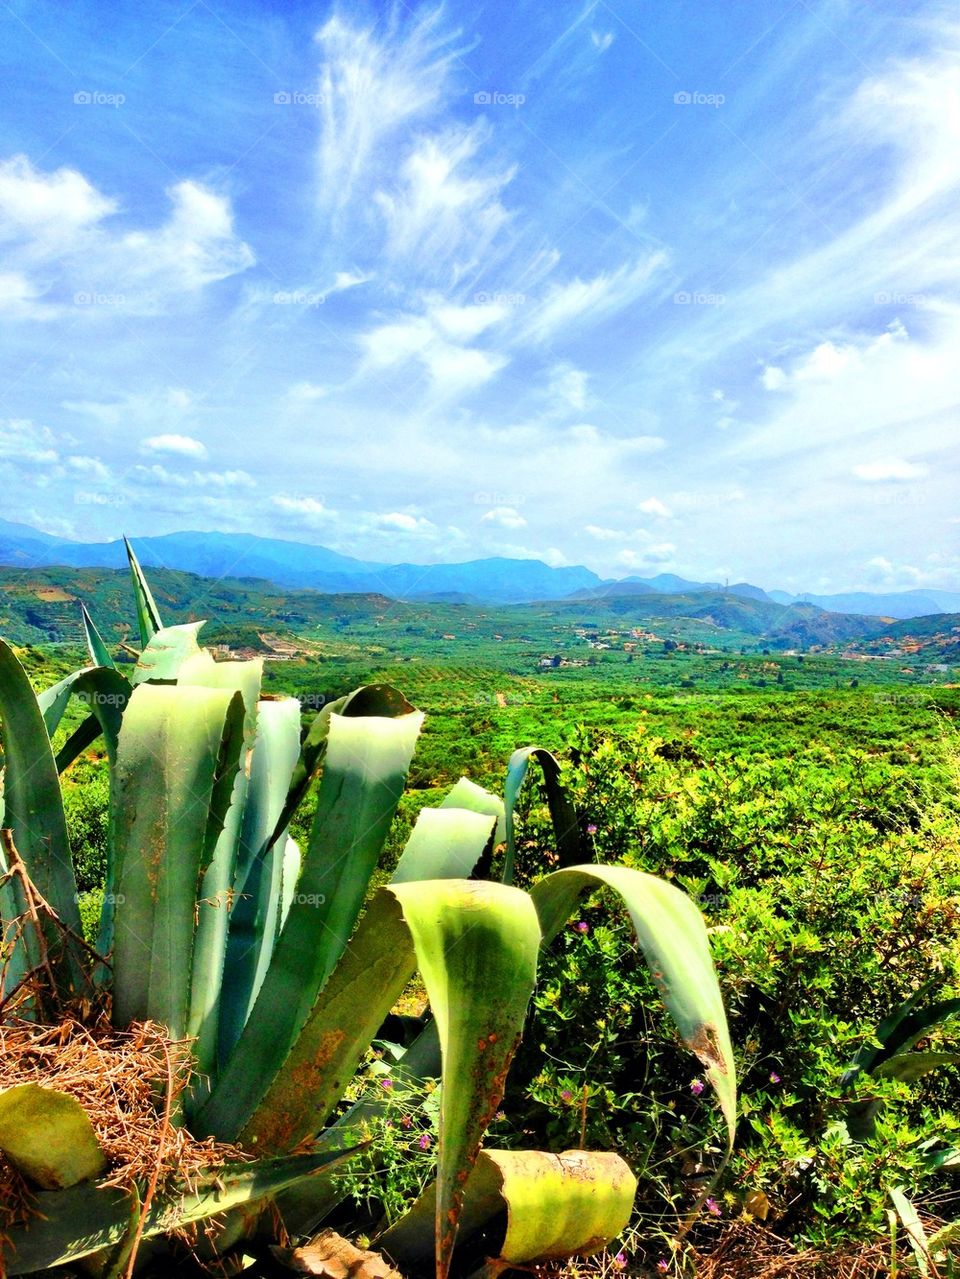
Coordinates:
<point>99,653</point>
<point>909,1067</point>
<point>106,692</point>
<point>165,652</point>
<point>289,878</point>
<point>914,1228</point>
<point>467,794</point>
<point>255,917</point>
<point>673,938</point>
<point>371,699</point>
<point>53,701</point>
<point>563,815</point>
<point>445,843</point>
<point>84,1219</point>
<point>471,939</point>
<point>83,736</point>
<point>576,1202</point>
<point>215,899</point>
<point>33,807</point>
<point>169,762</point>
<point>47,1135</point>
<point>148,616</point>
<point>898,1032</point>
<point>366,762</point>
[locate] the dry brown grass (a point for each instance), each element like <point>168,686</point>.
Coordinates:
<point>125,1081</point>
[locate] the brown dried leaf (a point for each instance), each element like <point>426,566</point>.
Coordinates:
<point>334,1257</point>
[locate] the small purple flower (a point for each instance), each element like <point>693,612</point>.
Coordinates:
<point>774,1077</point>
<point>566,1095</point>
<point>620,1261</point>
<point>581,926</point>
<point>713,1208</point>
<point>386,1083</point>
<point>663,1264</point>
<point>592,830</point>
<point>424,1142</point>
<point>406,1122</point>
<point>696,1087</point>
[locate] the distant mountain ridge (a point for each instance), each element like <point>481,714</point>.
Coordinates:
<point>494,580</point>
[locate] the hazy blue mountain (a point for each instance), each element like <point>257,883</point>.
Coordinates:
<point>298,565</point>
<point>899,604</point>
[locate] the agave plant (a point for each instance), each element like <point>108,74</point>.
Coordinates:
<point>280,964</point>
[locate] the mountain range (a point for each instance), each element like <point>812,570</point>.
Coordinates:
<point>494,580</point>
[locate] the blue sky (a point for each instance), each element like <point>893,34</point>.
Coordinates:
<point>650,287</point>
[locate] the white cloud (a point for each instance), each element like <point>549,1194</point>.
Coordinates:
<point>452,369</point>
<point>91,466</point>
<point>60,236</point>
<point>588,301</point>
<point>178,445</point>
<point>307,392</point>
<point>504,517</point>
<point>568,387</point>
<point>443,214</point>
<point>51,209</point>
<point>892,469</point>
<point>402,522</point>
<point>374,86</point>
<point>24,441</point>
<point>306,510</point>
<point>160,475</point>
<point>773,377</point>
<point>653,506</point>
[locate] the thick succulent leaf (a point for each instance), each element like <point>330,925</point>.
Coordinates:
<point>556,1205</point>
<point>148,616</point>
<point>215,898</point>
<point>83,1219</point>
<point>909,1067</point>
<point>901,1030</point>
<point>33,808</point>
<point>366,762</point>
<point>914,1228</point>
<point>47,1135</point>
<point>53,701</point>
<point>570,848</point>
<point>99,653</point>
<point>166,651</point>
<point>673,938</point>
<point>467,794</point>
<point>445,843</point>
<point>371,699</point>
<point>255,916</point>
<point>79,740</point>
<point>169,762</point>
<point>290,877</point>
<point>382,956</point>
<point>477,946</point>
<point>106,692</point>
